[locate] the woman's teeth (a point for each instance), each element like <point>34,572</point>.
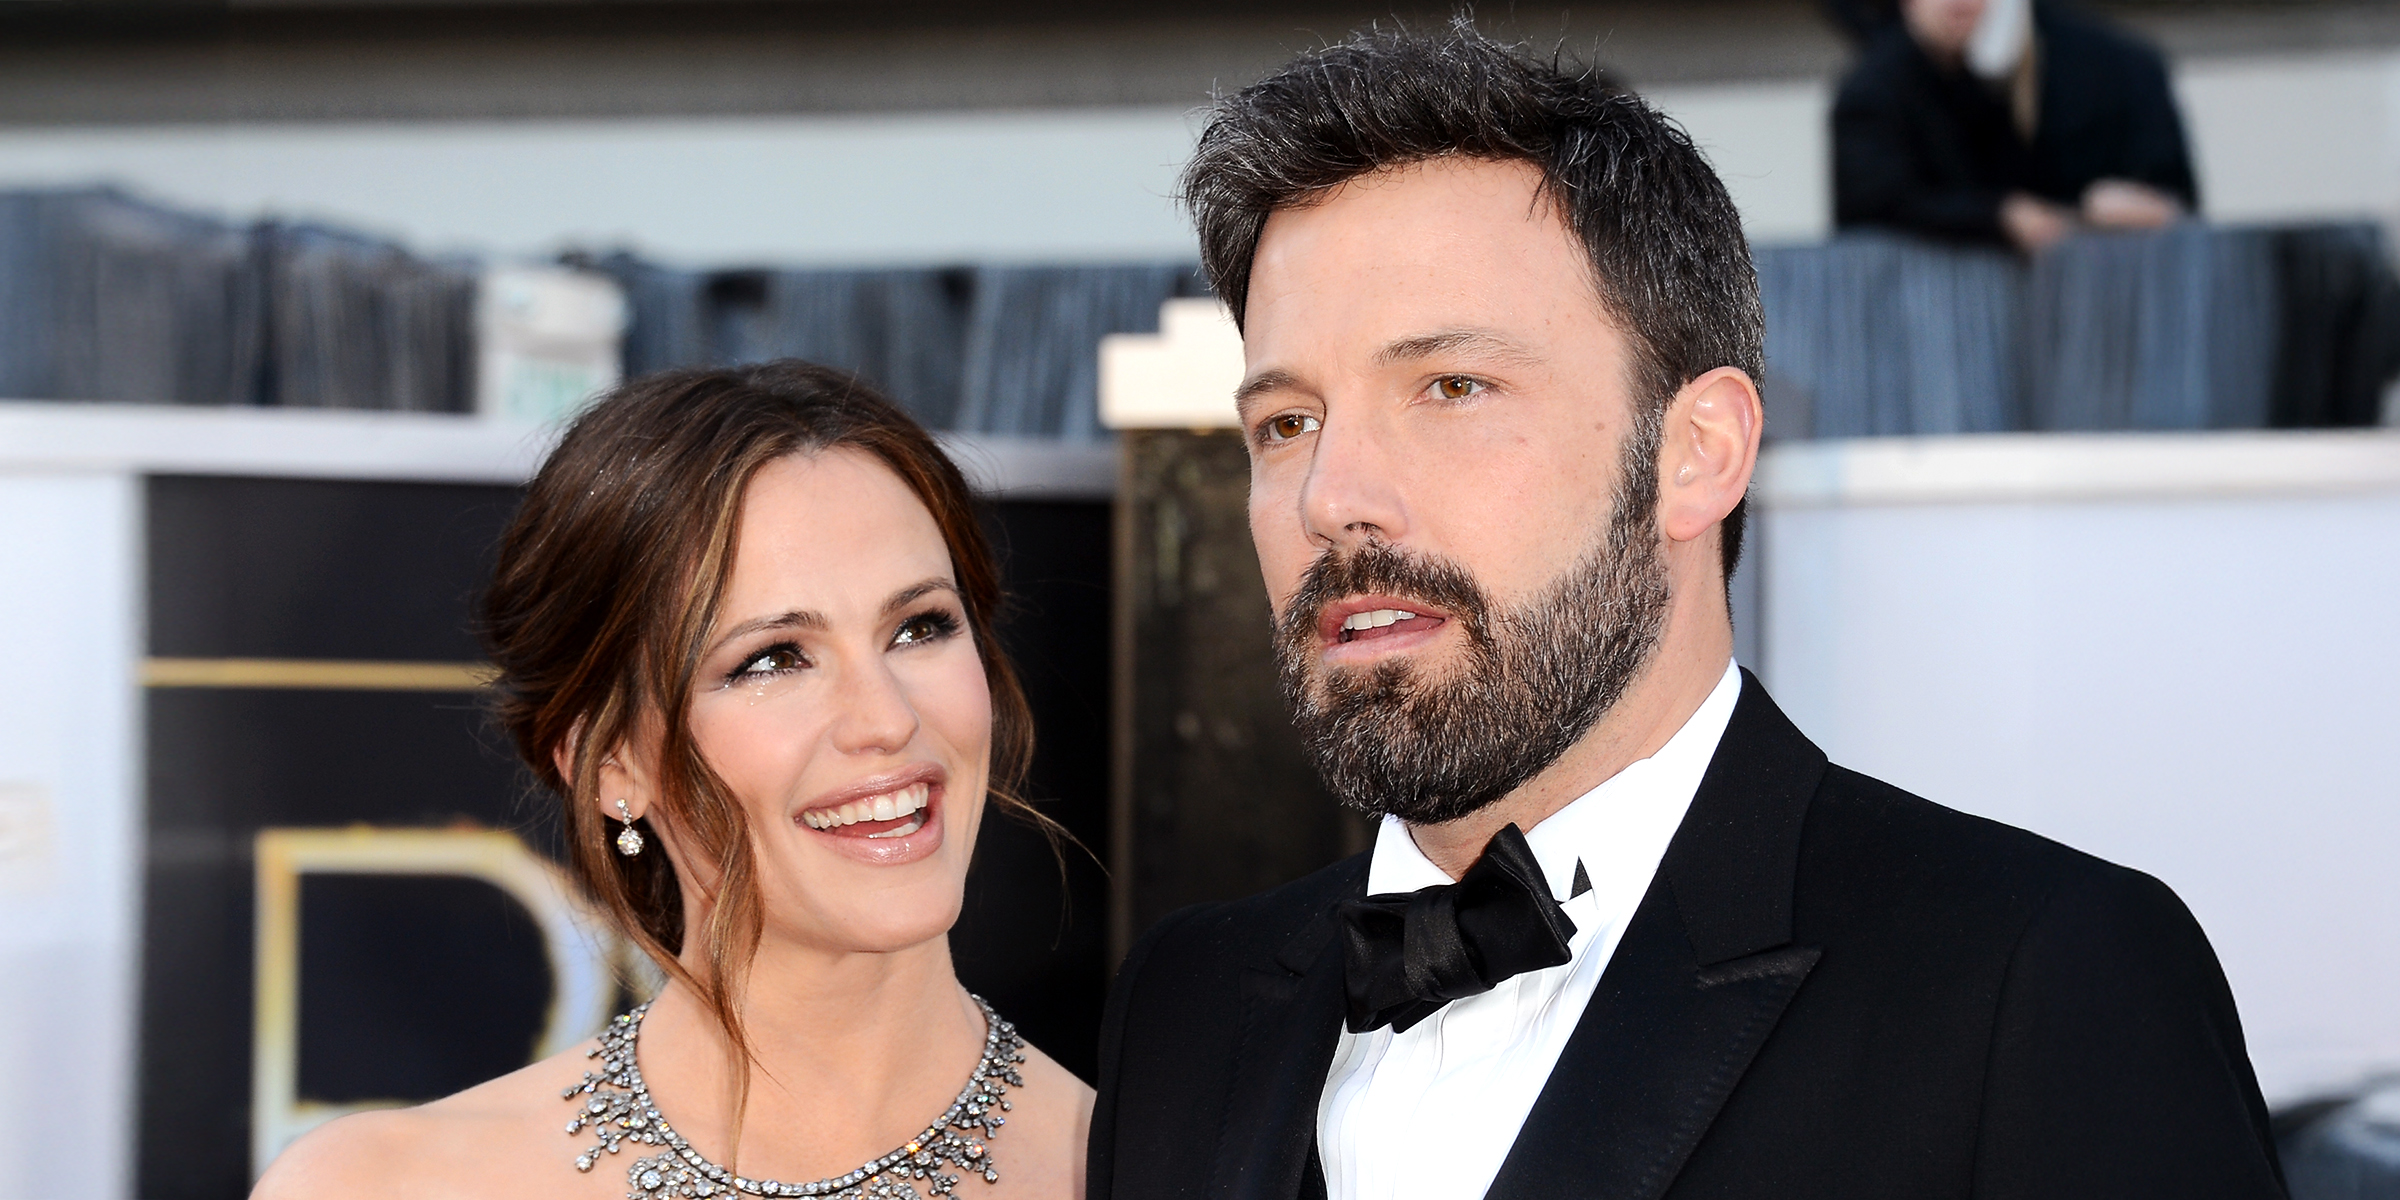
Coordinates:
<point>890,806</point>
<point>1376,619</point>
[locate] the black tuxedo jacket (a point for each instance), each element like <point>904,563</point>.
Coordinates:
<point>1832,988</point>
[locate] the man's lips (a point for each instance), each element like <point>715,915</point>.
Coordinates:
<point>1356,620</point>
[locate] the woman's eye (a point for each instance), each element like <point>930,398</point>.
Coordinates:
<point>925,628</point>
<point>1456,387</point>
<point>774,660</point>
<point>1290,425</point>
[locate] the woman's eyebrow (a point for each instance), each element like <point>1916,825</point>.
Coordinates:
<point>795,619</point>
<point>805,619</point>
<point>917,591</point>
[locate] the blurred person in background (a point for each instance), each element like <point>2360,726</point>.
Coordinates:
<point>2013,122</point>
<point>743,623</point>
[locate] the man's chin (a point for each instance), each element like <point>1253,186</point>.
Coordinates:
<point>1428,812</point>
<point>1387,681</point>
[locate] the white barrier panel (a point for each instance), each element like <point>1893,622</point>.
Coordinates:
<point>2175,652</point>
<point>70,870</point>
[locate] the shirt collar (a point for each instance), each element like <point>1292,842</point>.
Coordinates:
<point>1592,827</point>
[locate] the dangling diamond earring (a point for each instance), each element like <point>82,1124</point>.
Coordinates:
<point>629,839</point>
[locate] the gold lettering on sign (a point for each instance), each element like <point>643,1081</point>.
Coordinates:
<point>315,673</point>
<point>583,956</point>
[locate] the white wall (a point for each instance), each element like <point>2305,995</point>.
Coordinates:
<point>2274,138</point>
<point>70,827</point>
<point>2186,671</point>
<point>2297,137</point>
<point>1771,144</point>
<point>1071,185</point>
<point>1074,185</point>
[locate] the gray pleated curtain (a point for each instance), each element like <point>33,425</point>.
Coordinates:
<point>1000,350</point>
<point>1873,335</point>
<point>356,323</point>
<point>106,298</point>
<point>2193,327</point>
<point>1033,343</point>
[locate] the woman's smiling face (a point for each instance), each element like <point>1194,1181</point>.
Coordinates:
<point>842,700</point>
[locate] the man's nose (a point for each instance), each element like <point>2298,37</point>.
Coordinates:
<point>1351,495</point>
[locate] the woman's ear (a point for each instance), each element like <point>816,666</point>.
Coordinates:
<point>1707,451</point>
<point>621,777</point>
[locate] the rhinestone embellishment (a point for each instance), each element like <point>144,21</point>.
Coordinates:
<point>615,1106</point>
<point>629,841</point>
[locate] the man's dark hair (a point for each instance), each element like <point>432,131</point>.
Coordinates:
<point>1665,242</point>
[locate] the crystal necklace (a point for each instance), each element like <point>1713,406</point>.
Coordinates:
<point>620,1110</point>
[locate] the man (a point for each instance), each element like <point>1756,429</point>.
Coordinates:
<point>2007,121</point>
<point>1623,931</point>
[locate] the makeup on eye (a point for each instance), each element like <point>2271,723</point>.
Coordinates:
<point>932,625</point>
<point>782,658</point>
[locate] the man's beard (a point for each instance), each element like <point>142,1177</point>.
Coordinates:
<point>1536,678</point>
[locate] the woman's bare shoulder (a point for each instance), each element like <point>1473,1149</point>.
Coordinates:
<point>1050,1123</point>
<point>497,1138</point>
<point>1043,1074</point>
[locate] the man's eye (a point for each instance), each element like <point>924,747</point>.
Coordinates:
<point>1456,387</point>
<point>1290,425</point>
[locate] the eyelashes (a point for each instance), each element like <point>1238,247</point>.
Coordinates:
<point>780,659</point>
<point>787,658</point>
<point>932,625</point>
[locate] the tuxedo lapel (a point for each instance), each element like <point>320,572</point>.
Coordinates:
<point>1292,1006</point>
<point>1658,1049</point>
<point>1697,983</point>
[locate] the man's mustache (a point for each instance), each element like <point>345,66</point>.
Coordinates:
<point>1382,569</point>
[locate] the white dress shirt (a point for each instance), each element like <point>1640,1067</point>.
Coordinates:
<point>1430,1114</point>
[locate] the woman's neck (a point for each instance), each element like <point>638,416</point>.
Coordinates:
<point>847,1049</point>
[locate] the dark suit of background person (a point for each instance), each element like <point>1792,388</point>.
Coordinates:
<point>1930,149</point>
<point>1832,988</point>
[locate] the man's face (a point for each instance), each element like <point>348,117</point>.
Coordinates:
<point>1461,560</point>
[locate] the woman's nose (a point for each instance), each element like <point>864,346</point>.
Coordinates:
<point>876,716</point>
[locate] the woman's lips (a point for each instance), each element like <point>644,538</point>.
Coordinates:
<point>882,823</point>
<point>896,813</point>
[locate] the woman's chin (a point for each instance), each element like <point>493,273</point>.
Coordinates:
<point>897,922</point>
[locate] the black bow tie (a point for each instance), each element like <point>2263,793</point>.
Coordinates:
<point>1410,953</point>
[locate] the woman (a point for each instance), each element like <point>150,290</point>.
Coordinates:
<point>743,627</point>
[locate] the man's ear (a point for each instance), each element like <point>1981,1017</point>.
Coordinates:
<point>1707,451</point>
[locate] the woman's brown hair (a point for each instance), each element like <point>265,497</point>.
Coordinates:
<point>607,587</point>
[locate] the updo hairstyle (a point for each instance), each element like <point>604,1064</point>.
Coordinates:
<point>606,593</point>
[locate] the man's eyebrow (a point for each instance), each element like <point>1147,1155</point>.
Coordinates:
<point>1274,379</point>
<point>1480,342</point>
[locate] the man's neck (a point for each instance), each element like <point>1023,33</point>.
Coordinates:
<point>1677,680</point>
